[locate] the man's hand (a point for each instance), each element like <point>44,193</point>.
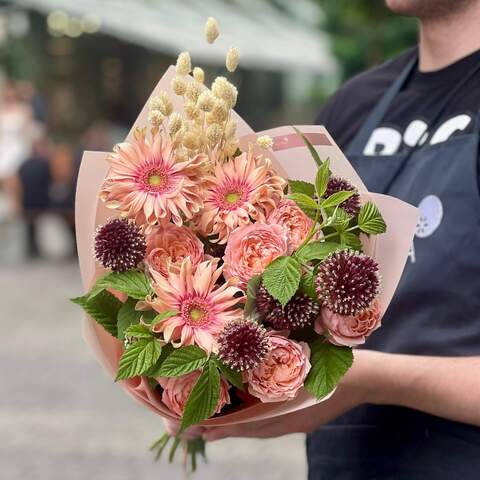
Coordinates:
<point>347,396</point>
<point>441,386</point>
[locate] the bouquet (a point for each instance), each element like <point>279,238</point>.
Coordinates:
<point>232,272</point>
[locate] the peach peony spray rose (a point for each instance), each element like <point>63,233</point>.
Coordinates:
<point>177,389</point>
<point>168,245</point>
<point>281,375</point>
<point>349,330</point>
<point>296,223</point>
<point>251,249</point>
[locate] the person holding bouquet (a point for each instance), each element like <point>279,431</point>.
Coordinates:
<point>408,408</point>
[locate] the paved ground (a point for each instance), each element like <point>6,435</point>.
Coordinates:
<point>61,418</point>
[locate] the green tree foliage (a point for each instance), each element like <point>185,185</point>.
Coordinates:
<point>365,33</point>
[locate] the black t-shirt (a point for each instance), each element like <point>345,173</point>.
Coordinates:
<point>412,110</point>
<point>374,441</point>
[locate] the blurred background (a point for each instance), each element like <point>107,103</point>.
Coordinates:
<point>74,74</point>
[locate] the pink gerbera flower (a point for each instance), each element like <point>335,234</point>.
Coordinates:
<point>146,184</point>
<point>203,306</point>
<point>243,189</point>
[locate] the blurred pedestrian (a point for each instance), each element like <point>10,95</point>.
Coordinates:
<point>17,131</point>
<point>35,181</point>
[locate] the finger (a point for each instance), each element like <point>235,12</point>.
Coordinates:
<point>172,427</point>
<point>248,430</point>
<point>218,433</point>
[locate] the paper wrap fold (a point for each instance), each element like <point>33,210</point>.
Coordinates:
<point>292,160</point>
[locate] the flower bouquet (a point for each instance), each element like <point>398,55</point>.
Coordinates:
<point>233,272</point>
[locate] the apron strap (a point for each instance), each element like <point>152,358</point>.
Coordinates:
<point>360,140</point>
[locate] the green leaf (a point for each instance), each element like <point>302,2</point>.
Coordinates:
<point>154,372</point>
<point>204,397</point>
<point>103,308</point>
<point>134,283</point>
<point>337,198</point>
<point>138,331</point>
<point>163,316</point>
<point>340,219</point>
<point>127,315</point>
<point>232,376</point>
<point>304,201</point>
<point>182,361</point>
<point>307,285</point>
<point>299,186</point>
<point>306,204</point>
<point>252,289</point>
<point>138,358</point>
<point>281,278</point>
<point>316,250</point>
<point>148,316</point>
<point>311,148</point>
<point>370,219</point>
<point>329,365</point>
<point>350,240</point>
<point>321,180</point>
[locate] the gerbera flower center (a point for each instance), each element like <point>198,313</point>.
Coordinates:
<point>195,311</point>
<point>156,180</point>
<point>233,197</point>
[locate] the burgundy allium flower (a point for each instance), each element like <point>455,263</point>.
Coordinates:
<point>119,245</point>
<point>347,282</point>
<point>300,311</point>
<point>243,344</point>
<point>352,204</point>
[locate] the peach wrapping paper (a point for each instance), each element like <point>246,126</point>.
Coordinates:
<point>292,160</point>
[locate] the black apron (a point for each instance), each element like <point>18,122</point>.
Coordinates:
<point>435,311</point>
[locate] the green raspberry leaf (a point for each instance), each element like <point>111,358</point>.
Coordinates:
<point>232,376</point>
<point>350,240</point>
<point>299,186</point>
<point>252,290</point>
<point>281,278</point>
<point>203,399</point>
<point>138,331</point>
<point>339,219</point>
<point>138,358</point>
<point>182,361</point>
<point>127,316</point>
<point>322,178</point>
<point>370,220</point>
<point>307,285</point>
<point>103,308</point>
<point>132,282</point>
<point>154,372</point>
<point>306,204</point>
<point>336,198</point>
<point>316,250</point>
<point>329,365</point>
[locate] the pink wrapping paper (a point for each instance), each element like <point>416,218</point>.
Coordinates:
<point>292,160</point>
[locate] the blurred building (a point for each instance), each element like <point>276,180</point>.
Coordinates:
<point>96,59</point>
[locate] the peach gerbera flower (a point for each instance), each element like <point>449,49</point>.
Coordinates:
<point>145,183</point>
<point>243,189</point>
<point>203,306</point>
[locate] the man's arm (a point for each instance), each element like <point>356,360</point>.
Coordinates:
<point>443,386</point>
